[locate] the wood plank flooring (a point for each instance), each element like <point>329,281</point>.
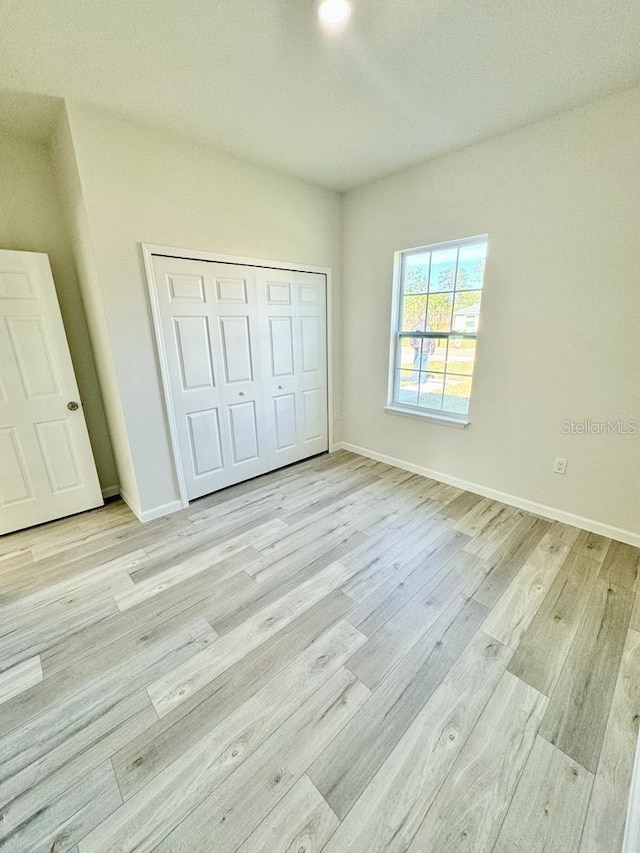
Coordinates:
<point>339,656</point>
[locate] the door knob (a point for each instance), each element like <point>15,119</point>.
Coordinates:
<point>72,406</point>
<point>241,393</point>
<point>279,387</point>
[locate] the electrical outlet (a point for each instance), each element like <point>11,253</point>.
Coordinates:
<point>560,466</point>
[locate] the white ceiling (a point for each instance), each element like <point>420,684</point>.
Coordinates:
<point>405,82</point>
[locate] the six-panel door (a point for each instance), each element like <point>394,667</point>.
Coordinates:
<point>293,312</point>
<point>210,327</point>
<point>246,358</point>
<point>47,468</point>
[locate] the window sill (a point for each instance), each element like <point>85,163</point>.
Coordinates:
<point>444,420</point>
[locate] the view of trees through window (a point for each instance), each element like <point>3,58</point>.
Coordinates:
<point>438,320</point>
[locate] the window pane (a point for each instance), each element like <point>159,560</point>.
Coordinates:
<point>456,394</point>
<point>414,310</point>
<point>421,352</point>
<point>441,291</point>
<point>437,354</point>
<point>416,273</point>
<point>443,270</point>
<point>406,354</point>
<point>431,391</point>
<point>439,312</point>
<point>471,267</point>
<point>424,380</point>
<point>407,387</point>
<point>462,354</point>
<point>466,311</point>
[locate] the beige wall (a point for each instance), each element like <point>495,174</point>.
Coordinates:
<point>30,220</point>
<point>560,202</point>
<point>70,193</point>
<point>143,185</point>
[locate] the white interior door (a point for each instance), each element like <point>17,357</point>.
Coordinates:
<point>246,361</point>
<point>294,316</point>
<point>209,317</point>
<point>47,468</point>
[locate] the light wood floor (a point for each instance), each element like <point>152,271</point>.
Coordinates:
<point>339,656</point>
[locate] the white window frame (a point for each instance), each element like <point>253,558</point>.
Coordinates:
<point>393,406</point>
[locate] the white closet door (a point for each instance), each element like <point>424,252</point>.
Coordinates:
<point>47,468</point>
<point>209,316</point>
<point>294,320</point>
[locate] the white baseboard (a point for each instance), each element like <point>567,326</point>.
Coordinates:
<point>628,536</point>
<point>160,511</point>
<point>133,506</point>
<point>110,492</point>
<point>147,515</point>
<point>631,843</point>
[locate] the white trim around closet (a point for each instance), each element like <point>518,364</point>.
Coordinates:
<point>151,249</point>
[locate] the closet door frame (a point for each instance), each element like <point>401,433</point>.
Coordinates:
<point>148,251</point>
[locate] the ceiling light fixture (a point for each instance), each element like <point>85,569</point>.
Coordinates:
<point>334,12</point>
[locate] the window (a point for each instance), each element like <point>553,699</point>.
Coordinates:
<point>437,313</point>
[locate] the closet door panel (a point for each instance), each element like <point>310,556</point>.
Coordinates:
<point>293,317</point>
<point>210,325</point>
<point>281,346</point>
<point>310,299</point>
<point>243,423</point>
<point>239,331</point>
<point>311,341</point>
<point>284,415</point>
<point>193,348</point>
<point>206,441</point>
<point>313,415</point>
<point>235,338</point>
